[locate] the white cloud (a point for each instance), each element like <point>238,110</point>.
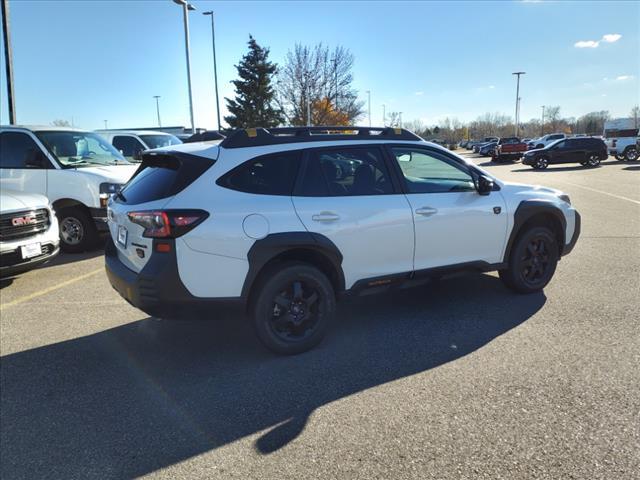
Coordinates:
<point>419,94</point>
<point>611,37</point>
<point>586,44</point>
<point>608,38</point>
<point>624,77</point>
<point>491,87</point>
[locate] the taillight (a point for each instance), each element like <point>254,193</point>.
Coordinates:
<point>167,223</point>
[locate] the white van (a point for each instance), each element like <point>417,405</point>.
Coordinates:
<point>132,142</point>
<point>77,170</point>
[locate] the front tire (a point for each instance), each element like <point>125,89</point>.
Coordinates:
<point>593,160</point>
<point>532,262</point>
<point>77,230</point>
<point>541,163</point>
<point>293,308</point>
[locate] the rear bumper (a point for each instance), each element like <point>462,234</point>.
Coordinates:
<point>157,289</point>
<point>574,238</point>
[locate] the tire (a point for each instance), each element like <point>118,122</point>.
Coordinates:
<point>525,274</point>
<point>77,230</point>
<point>620,157</point>
<point>593,160</point>
<point>293,308</point>
<point>541,163</point>
<point>631,154</point>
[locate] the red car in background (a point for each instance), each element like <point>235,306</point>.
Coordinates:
<point>509,148</point>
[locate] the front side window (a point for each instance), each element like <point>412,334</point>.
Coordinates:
<point>80,149</point>
<point>267,175</point>
<point>16,149</point>
<point>128,145</point>
<point>429,172</point>
<point>344,172</point>
<point>158,141</point>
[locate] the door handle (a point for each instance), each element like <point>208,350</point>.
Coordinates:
<point>426,211</point>
<point>325,217</point>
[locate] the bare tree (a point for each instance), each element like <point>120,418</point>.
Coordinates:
<point>635,113</point>
<point>60,123</point>
<point>321,80</point>
<point>552,116</point>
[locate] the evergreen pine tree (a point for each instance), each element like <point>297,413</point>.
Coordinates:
<point>253,103</point>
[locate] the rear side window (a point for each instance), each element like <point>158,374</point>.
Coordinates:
<point>345,172</point>
<point>266,175</point>
<point>162,176</point>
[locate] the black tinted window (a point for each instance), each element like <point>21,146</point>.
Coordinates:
<point>16,148</point>
<point>345,172</point>
<point>129,146</point>
<point>267,175</point>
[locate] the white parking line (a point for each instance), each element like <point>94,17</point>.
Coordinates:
<point>49,289</point>
<point>600,191</point>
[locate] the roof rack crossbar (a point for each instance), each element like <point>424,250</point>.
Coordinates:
<point>281,135</point>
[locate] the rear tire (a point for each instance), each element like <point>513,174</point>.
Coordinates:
<point>541,163</point>
<point>77,230</point>
<point>293,308</point>
<point>631,154</point>
<point>532,261</point>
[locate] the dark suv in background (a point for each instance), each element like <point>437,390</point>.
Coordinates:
<point>587,151</point>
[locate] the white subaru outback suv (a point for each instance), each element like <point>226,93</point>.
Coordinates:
<point>286,220</point>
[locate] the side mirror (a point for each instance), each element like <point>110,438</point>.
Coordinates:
<point>484,185</point>
<point>35,159</point>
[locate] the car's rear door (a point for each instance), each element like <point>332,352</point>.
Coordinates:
<point>346,194</point>
<point>453,223</point>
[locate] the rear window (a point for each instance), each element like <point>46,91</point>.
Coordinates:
<point>162,176</point>
<point>633,132</point>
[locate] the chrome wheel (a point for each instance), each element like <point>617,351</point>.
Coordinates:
<point>631,155</point>
<point>542,163</point>
<point>71,231</point>
<point>593,161</point>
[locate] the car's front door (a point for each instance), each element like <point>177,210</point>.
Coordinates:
<point>347,195</point>
<point>454,224</point>
<point>23,164</point>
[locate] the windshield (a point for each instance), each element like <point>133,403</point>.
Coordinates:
<point>80,149</point>
<point>157,141</point>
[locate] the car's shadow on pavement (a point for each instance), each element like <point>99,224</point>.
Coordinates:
<point>555,168</point>
<point>131,400</point>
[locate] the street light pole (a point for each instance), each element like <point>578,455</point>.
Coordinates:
<point>384,115</point>
<point>542,124</point>
<point>105,125</point>
<point>517,97</point>
<point>215,67</point>
<point>185,13</point>
<point>8,62</point>
<point>369,105</point>
<point>158,109</point>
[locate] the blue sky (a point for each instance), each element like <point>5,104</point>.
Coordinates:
<point>96,60</point>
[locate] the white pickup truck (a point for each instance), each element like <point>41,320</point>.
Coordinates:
<point>621,136</point>
<point>77,170</point>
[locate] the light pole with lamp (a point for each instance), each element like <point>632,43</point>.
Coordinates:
<point>186,7</point>
<point>215,67</point>
<point>517,97</point>
<point>542,124</point>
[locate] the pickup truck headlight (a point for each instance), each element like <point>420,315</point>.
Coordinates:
<point>106,190</point>
<point>565,198</point>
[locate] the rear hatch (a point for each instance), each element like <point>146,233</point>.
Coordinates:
<point>159,178</point>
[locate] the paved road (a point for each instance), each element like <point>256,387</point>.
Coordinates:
<point>461,379</point>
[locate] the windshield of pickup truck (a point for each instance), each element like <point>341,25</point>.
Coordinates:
<point>80,149</point>
<point>157,141</point>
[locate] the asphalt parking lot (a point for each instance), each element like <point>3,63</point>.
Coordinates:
<point>457,379</point>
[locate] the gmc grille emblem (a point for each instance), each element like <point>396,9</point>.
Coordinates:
<point>21,221</point>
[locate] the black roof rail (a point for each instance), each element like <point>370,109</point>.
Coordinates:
<point>254,137</point>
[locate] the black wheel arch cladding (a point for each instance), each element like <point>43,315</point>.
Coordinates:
<point>528,210</point>
<point>285,244</point>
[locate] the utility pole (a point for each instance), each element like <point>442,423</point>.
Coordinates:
<point>542,124</point>
<point>369,105</point>
<point>517,97</point>
<point>186,7</point>
<point>158,109</point>
<point>215,66</point>
<point>8,60</point>
<point>384,115</point>
<point>105,125</point>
